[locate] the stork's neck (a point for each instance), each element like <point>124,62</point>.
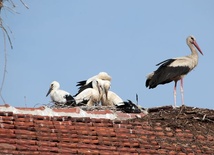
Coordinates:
<point>193,56</point>
<point>194,52</point>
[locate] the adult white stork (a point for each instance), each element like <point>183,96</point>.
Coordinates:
<point>59,96</point>
<point>175,69</point>
<point>90,95</point>
<point>112,99</point>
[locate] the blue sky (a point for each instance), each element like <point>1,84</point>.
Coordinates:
<point>69,41</point>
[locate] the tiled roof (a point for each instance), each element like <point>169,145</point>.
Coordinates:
<point>163,130</point>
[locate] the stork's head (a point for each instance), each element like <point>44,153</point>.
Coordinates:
<point>191,40</point>
<point>54,86</point>
<point>104,76</point>
<point>105,86</point>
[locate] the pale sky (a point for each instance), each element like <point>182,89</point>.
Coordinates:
<point>69,41</point>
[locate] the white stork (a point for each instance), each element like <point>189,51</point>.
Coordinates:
<point>175,69</point>
<point>101,75</point>
<point>112,99</point>
<point>59,96</point>
<point>90,95</point>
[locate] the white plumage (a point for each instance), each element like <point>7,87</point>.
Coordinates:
<point>175,69</point>
<point>59,96</point>
<point>111,99</point>
<point>101,76</point>
<point>89,96</point>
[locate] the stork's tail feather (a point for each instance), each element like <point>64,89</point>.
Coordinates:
<point>128,107</point>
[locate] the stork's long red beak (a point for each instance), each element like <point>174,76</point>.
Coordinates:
<point>196,45</point>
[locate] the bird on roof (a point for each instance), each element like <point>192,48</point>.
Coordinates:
<point>105,86</point>
<point>90,95</point>
<point>101,75</point>
<point>60,96</point>
<point>112,99</point>
<point>175,69</point>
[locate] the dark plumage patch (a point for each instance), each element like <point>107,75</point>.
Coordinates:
<point>128,107</point>
<point>81,83</point>
<point>165,74</point>
<point>83,87</point>
<point>83,103</point>
<point>70,100</point>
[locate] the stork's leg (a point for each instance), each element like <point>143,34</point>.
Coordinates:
<point>174,92</point>
<point>182,91</point>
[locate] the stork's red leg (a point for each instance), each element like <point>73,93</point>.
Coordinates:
<point>182,91</point>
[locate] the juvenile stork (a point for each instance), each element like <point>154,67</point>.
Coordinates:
<point>90,95</point>
<point>59,96</point>
<point>112,99</point>
<point>175,69</point>
<point>101,76</point>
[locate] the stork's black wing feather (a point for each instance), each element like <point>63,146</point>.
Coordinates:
<point>165,62</point>
<point>128,107</point>
<point>81,88</point>
<point>165,73</point>
<point>81,83</point>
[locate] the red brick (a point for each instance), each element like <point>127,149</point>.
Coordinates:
<point>6,131</point>
<point>152,137</point>
<point>172,153</point>
<point>6,118</point>
<point>158,128</point>
<point>180,153</point>
<point>6,126</point>
<point>69,110</point>
<point>7,140</point>
<point>68,150</point>
<point>67,145</point>
<point>26,147</point>
<point>123,149</point>
<point>94,141</point>
<point>25,142</point>
<point>178,130</point>
<point>122,135</point>
<point>46,143</point>
<point>200,137</point>
<point>30,109</point>
<point>162,151</point>
<point>28,153</point>
<point>48,149</point>
<point>6,135</point>
<point>25,132</point>
<point>84,151</point>
<point>43,123</point>
<point>29,124</point>
<point>169,134</point>
<point>159,134</point>
<point>7,146</point>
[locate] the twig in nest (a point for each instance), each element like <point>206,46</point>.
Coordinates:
<point>204,116</point>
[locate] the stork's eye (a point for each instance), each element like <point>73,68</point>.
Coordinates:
<point>192,38</point>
